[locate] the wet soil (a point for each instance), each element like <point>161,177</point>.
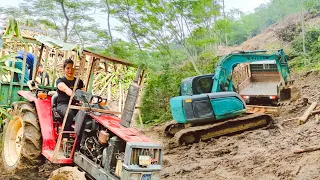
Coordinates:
<point>29,172</point>
<point>257,154</point>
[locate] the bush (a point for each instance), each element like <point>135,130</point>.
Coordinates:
<point>159,89</point>
<point>312,45</point>
<point>162,86</point>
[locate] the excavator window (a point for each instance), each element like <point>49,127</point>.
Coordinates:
<point>204,85</point>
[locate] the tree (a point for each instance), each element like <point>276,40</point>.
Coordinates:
<point>67,18</point>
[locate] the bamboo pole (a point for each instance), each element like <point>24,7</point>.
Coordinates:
<point>109,93</point>
<point>105,86</point>
<point>89,70</point>
<point>140,118</point>
<point>120,97</point>
<point>35,64</point>
<point>101,81</point>
<point>45,66</point>
<point>3,49</point>
<point>55,67</point>
<point>11,83</point>
<point>24,65</point>
<point>15,46</point>
<point>123,98</point>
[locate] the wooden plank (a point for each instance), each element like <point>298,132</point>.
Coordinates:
<point>94,109</point>
<point>112,59</point>
<point>263,109</point>
<point>304,117</point>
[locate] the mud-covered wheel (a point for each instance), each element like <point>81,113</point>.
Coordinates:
<point>21,138</point>
<point>67,173</point>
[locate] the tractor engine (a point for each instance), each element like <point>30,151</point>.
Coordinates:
<point>100,146</point>
<point>102,153</point>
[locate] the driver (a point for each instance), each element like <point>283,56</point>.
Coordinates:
<point>65,86</point>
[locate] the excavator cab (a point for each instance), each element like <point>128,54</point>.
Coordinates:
<point>196,85</point>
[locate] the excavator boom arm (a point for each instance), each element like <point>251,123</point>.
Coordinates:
<point>226,65</point>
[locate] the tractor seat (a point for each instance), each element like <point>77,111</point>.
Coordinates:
<point>55,113</point>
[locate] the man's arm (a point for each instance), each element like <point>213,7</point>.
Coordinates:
<point>64,88</point>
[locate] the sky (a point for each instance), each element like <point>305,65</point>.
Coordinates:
<point>243,5</point>
<point>246,6</point>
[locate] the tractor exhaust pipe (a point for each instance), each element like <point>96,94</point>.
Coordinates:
<point>131,100</point>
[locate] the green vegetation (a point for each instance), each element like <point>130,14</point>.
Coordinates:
<point>311,59</point>
<point>172,39</point>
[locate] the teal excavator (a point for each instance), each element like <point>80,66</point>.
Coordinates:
<point>208,107</point>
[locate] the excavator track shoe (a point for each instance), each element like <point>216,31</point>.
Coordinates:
<point>172,128</point>
<point>203,133</point>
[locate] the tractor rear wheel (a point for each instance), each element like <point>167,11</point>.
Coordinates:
<point>67,173</point>
<point>21,138</point>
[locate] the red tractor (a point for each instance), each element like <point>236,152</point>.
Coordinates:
<point>102,149</point>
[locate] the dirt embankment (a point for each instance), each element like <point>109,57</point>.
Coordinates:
<point>258,154</point>
<point>278,35</point>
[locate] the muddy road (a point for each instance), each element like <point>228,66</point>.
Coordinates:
<point>258,154</point>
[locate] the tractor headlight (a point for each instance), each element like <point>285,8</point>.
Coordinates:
<point>144,160</point>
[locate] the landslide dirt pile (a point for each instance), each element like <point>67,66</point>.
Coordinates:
<point>258,154</point>
<point>278,35</point>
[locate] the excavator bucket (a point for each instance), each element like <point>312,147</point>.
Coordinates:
<point>289,93</point>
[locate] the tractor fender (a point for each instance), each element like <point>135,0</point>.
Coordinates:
<point>44,113</point>
<point>27,95</point>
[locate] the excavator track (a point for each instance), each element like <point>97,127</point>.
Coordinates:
<point>202,133</point>
<point>173,127</point>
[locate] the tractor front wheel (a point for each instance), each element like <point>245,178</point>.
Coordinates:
<point>21,138</point>
<point>67,173</point>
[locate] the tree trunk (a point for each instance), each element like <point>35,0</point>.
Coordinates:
<point>65,28</point>
<point>130,23</point>
<point>109,29</point>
